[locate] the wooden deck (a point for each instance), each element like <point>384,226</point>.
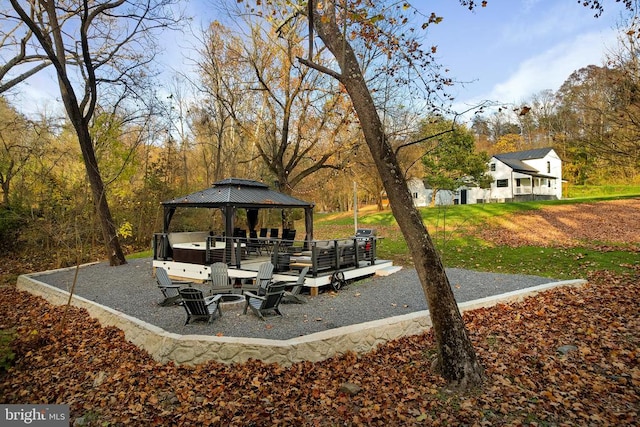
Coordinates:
<point>249,268</point>
<point>191,253</point>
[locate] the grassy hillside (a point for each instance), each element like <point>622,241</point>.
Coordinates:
<point>581,191</point>
<point>457,232</point>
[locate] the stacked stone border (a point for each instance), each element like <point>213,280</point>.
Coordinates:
<point>195,349</point>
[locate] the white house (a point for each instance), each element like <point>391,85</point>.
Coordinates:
<point>519,176</point>
<point>463,195</point>
<point>526,175</point>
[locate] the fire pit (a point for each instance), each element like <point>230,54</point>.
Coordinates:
<point>231,300</point>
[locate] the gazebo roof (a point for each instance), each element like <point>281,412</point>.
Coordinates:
<point>239,193</point>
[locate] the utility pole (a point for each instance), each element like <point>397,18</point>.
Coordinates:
<point>355,208</point>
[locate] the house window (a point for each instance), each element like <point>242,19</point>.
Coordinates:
<point>502,183</point>
<point>548,167</point>
<point>549,183</point>
<point>415,195</point>
<point>492,167</point>
<point>517,182</point>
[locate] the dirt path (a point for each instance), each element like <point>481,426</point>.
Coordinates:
<point>609,223</point>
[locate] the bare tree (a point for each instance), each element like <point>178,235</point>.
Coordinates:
<point>97,48</point>
<point>226,101</point>
<point>299,122</point>
<point>331,19</point>
<point>457,361</point>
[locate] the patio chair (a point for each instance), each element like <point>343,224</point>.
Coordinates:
<point>253,244</point>
<point>263,239</point>
<point>261,304</point>
<point>220,282</point>
<point>169,288</point>
<point>199,307</point>
<point>288,238</point>
<point>265,274</point>
<point>294,296</point>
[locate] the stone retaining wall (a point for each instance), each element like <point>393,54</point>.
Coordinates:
<point>194,349</point>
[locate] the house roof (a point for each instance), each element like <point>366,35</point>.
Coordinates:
<point>516,162</point>
<point>537,153</point>
<point>517,165</point>
<point>240,193</point>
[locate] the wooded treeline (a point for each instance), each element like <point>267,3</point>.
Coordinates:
<point>253,111</point>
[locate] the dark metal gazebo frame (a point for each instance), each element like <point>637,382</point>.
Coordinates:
<point>234,193</point>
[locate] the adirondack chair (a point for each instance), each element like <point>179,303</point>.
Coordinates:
<point>261,304</point>
<point>265,275</point>
<point>220,282</point>
<point>169,288</point>
<point>294,296</point>
<point>199,307</point>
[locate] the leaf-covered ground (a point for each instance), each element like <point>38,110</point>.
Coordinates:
<point>585,224</point>
<point>570,356</point>
<point>108,381</point>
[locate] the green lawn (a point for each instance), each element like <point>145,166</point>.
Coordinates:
<point>580,191</point>
<point>452,229</point>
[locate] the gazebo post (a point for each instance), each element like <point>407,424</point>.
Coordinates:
<point>168,214</point>
<point>308,227</point>
<point>229,216</point>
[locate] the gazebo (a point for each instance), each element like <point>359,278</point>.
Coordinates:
<point>232,194</point>
<point>235,193</point>
<point>190,254</point>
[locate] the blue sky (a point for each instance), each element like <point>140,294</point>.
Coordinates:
<point>505,52</point>
<point>512,49</point>
<point>509,50</point>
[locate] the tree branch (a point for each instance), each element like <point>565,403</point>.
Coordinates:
<point>320,68</point>
<point>22,77</point>
<point>426,138</point>
<point>453,124</point>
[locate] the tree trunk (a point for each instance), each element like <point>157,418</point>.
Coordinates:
<point>457,361</point>
<point>434,194</point>
<point>5,183</point>
<point>109,234</point>
<point>81,126</point>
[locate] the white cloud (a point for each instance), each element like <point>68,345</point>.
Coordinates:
<point>38,94</point>
<point>551,68</point>
<point>542,24</point>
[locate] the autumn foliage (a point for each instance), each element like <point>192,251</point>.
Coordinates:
<point>569,356</point>
<point>531,381</point>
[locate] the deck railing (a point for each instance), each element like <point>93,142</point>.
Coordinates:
<point>319,255</point>
<point>336,254</point>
